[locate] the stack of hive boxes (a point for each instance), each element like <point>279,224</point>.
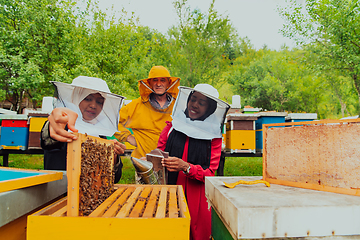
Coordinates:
<point>14,132</point>
<point>36,122</point>
<point>240,133</point>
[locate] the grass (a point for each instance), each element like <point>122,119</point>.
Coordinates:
<point>234,166</point>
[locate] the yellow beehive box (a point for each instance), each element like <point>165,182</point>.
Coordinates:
<point>240,140</point>
<point>320,155</point>
<point>36,123</point>
<point>131,212</point>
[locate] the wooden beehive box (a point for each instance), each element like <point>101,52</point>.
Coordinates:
<point>131,212</point>
<point>90,162</point>
<point>320,155</point>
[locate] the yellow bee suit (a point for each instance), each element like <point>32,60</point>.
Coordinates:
<point>145,121</point>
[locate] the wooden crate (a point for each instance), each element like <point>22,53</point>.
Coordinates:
<point>90,162</point>
<point>131,212</point>
<point>320,155</point>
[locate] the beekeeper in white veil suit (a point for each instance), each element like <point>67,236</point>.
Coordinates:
<point>86,106</point>
<point>97,108</point>
<point>193,141</point>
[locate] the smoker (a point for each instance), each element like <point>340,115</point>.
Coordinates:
<point>145,172</point>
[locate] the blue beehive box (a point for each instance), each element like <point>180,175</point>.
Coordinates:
<point>266,118</point>
<point>14,132</point>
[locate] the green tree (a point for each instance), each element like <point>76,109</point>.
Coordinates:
<point>36,45</point>
<point>202,45</point>
<point>328,29</point>
<point>277,81</point>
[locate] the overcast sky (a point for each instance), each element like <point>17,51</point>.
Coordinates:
<point>256,19</point>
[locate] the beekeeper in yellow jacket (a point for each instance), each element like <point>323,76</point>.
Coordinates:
<point>147,115</point>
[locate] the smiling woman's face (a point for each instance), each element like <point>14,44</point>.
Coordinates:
<point>91,106</point>
<point>197,105</point>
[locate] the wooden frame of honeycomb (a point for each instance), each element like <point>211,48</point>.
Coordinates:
<point>320,155</point>
<point>90,162</point>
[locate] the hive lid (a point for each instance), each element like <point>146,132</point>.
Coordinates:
<point>302,116</point>
<point>14,178</point>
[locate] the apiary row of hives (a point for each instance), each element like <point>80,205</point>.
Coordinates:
<point>21,132</point>
<point>243,133</point>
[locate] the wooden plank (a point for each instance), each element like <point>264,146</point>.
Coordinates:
<point>140,203</point>
<point>52,207</point>
<point>151,206</point>
<point>161,209</point>
<point>73,175</point>
<point>173,206</point>
<point>184,210</point>
<point>264,150</point>
<point>99,211</point>
<point>60,213</point>
<point>75,228</point>
<point>119,202</point>
<point>125,210</point>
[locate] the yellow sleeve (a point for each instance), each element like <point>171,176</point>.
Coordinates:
<point>123,132</point>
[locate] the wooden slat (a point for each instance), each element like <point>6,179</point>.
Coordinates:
<point>184,211</point>
<point>140,204</point>
<point>52,208</point>
<point>161,209</point>
<point>265,129</point>
<point>173,206</point>
<point>61,212</point>
<point>119,202</point>
<point>150,207</point>
<point>99,211</point>
<point>125,210</point>
<point>73,176</point>
<point>326,121</point>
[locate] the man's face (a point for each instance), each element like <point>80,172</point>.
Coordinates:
<point>91,106</point>
<point>159,85</point>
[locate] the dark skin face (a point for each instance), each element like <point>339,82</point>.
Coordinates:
<point>91,106</point>
<point>197,105</point>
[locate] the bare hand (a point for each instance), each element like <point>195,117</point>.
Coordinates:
<point>58,119</point>
<point>131,140</point>
<point>119,147</point>
<point>174,164</point>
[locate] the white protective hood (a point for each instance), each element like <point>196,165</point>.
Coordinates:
<point>70,95</point>
<point>209,128</point>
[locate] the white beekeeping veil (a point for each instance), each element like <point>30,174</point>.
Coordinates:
<point>210,126</point>
<point>70,96</point>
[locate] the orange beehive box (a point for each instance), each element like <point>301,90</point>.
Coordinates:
<point>131,212</point>
<point>320,155</point>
